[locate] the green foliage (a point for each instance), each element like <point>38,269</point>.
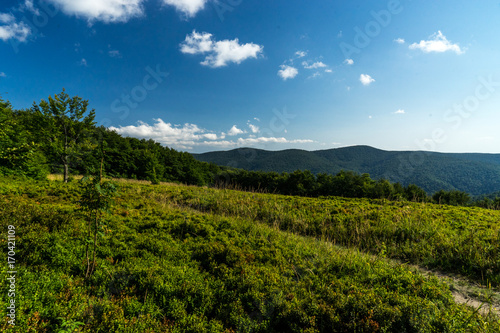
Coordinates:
<point>456,198</point>
<point>96,199</point>
<point>64,125</point>
<point>69,326</point>
<point>453,239</point>
<point>18,155</point>
<point>304,183</point>
<point>169,268</point>
<point>472,173</point>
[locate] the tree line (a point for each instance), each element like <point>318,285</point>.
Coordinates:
<point>59,135</point>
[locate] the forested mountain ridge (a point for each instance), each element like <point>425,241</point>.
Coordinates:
<point>59,135</point>
<point>473,173</point>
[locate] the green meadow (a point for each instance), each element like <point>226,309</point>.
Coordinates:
<point>173,258</point>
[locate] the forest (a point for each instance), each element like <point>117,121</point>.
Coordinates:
<point>59,135</point>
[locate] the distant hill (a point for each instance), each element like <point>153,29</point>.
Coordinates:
<point>473,173</point>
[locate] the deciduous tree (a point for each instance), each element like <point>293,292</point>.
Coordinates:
<point>65,124</point>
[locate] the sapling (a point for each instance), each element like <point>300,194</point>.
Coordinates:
<point>95,200</point>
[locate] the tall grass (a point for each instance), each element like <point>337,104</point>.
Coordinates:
<point>464,240</point>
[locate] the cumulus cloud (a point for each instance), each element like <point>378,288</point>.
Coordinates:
<point>366,79</point>
<point>399,40</point>
<point>400,111</point>
<point>287,72</point>
<point>348,61</point>
<point>164,133</point>
<point>187,7</point>
<point>270,140</point>
<point>188,136</point>
<point>253,128</point>
<point>210,136</point>
<point>235,131</point>
<point>102,10</point>
<point>219,53</point>
<point>315,65</point>
<point>437,43</point>
<point>11,29</point>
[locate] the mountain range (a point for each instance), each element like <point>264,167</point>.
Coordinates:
<point>474,173</point>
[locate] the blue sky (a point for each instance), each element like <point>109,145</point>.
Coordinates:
<point>202,75</point>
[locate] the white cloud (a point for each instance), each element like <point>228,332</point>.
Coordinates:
<point>349,61</point>
<point>188,136</point>
<point>2,74</point>
<point>164,133</point>
<point>10,29</point>
<point>399,40</point>
<point>287,72</point>
<point>210,136</point>
<point>253,128</point>
<point>28,4</point>
<point>328,71</point>
<point>301,54</point>
<point>316,74</point>
<point>220,53</point>
<point>187,7</point>
<point>6,18</point>
<point>400,111</point>
<point>366,79</point>
<point>102,10</point>
<point>270,140</point>
<point>315,65</point>
<point>197,43</point>
<point>235,131</point>
<point>437,43</point>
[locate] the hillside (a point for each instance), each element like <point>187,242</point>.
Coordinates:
<point>175,258</point>
<point>472,173</point>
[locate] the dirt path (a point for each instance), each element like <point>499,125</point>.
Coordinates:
<point>466,292</point>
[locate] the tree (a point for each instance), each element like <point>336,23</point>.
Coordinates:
<point>95,200</point>
<point>65,125</point>
<point>18,153</point>
<point>415,193</point>
<point>453,197</point>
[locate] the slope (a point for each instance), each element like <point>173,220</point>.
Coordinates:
<point>473,173</point>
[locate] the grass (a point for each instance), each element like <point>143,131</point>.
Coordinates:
<point>464,240</point>
<point>188,259</point>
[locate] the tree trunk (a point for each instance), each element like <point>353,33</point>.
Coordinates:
<point>66,168</point>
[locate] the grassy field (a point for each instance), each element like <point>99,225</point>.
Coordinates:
<point>188,259</point>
